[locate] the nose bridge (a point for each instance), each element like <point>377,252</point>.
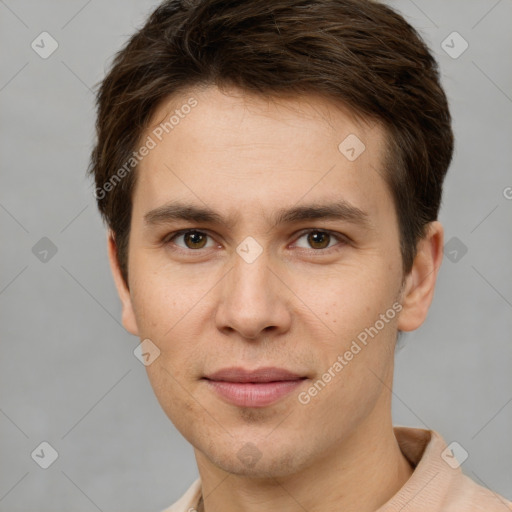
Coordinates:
<point>250,276</point>
<point>251,299</point>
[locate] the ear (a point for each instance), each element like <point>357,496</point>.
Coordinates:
<point>419,285</point>
<point>128,316</point>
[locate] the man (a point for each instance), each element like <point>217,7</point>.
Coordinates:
<point>271,175</point>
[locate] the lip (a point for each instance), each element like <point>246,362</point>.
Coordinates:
<point>265,374</point>
<point>253,388</point>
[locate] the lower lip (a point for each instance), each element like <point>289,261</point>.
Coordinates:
<point>248,394</point>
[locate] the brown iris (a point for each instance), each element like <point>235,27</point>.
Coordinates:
<point>318,238</point>
<point>196,238</point>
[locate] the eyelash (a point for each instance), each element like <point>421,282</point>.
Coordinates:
<point>343,239</point>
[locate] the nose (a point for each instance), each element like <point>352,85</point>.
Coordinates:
<point>254,299</point>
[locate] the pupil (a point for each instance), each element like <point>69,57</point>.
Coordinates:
<point>314,238</point>
<point>194,238</point>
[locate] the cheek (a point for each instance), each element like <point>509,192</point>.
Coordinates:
<point>166,310</point>
<point>162,299</point>
<point>355,361</point>
<point>349,298</point>
<point>170,307</point>
<point>178,398</point>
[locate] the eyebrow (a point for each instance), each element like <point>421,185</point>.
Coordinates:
<point>340,210</point>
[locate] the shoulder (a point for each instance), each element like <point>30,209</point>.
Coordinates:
<point>465,492</point>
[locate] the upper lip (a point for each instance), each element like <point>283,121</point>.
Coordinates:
<point>267,374</point>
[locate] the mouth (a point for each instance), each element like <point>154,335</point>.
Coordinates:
<point>253,388</point>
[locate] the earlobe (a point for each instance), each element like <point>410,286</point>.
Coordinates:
<point>128,316</point>
<point>421,280</point>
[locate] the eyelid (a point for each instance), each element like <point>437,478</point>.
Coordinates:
<point>340,237</point>
<point>335,234</point>
<point>171,236</point>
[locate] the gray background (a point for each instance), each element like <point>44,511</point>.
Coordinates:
<point>68,375</point>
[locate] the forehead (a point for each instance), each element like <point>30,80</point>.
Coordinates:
<point>239,152</point>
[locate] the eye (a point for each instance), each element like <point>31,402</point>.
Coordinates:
<point>193,239</point>
<point>320,240</point>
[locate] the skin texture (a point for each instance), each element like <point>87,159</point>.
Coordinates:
<point>297,306</point>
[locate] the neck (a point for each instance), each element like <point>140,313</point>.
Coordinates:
<point>361,473</point>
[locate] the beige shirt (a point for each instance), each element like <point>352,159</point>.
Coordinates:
<point>437,483</point>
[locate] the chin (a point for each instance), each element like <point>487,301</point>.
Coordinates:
<point>252,461</point>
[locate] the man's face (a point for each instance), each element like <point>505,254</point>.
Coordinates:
<point>293,295</point>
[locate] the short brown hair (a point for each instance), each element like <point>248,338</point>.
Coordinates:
<point>358,53</point>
